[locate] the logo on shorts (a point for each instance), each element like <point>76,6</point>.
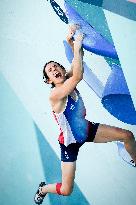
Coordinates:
<point>66,155</point>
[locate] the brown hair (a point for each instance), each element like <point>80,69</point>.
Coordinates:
<point>45,76</point>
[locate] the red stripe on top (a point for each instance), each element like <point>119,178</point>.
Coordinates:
<point>61,136</point>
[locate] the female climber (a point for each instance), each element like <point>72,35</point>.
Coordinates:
<point>69,112</point>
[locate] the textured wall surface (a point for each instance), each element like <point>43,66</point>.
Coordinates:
<point>31,34</point>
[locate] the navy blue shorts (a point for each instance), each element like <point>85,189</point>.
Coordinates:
<point>70,153</point>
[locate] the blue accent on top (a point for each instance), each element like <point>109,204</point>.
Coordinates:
<point>75,115</point>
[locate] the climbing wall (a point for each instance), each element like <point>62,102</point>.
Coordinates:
<point>31,34</point>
